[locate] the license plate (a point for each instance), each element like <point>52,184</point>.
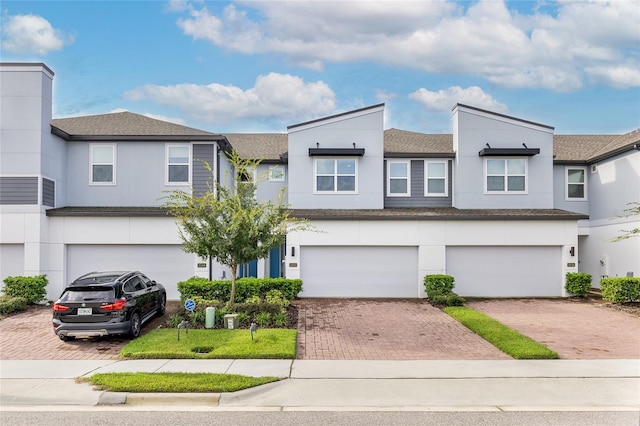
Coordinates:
<point>84,311</point>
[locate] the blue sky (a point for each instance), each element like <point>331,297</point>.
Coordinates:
<point>261,66</point>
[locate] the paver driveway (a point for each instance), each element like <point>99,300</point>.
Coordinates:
<point>382,329</point>
<point>413,329</point>
<point>574,328</point>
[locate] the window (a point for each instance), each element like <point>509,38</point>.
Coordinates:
<point>276,174</point>
<point>506,175</point>
<point>576,183</point>
<point>436,176</point>
<point>398,178</point>
<point>178,164</point>
<point>337,175</point>
<point>103,164</point>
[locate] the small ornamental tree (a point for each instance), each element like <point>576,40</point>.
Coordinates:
<point>629,233</point>
<point>227,223</point>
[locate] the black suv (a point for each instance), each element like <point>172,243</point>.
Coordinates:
<point>103,303</point>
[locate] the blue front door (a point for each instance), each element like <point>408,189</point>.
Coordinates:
<point>274,263</point>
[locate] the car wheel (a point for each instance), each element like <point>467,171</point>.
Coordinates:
<point>65,338</point>
<point>135,324</point>
<point>162,305</point>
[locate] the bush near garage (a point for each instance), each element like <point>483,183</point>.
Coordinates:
<point>440,290</point>
<point>245,288</point>
<point>620,289</point>
<point>265,301</point>
<point>263,314</point>
<point>31,288</point>
<point>577,283</point>
<point>9,305</point>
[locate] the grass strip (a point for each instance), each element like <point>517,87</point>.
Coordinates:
<point>275,343</point>
<point>175,382</point>
<point>502,337</point>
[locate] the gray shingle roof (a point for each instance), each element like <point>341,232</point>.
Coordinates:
<point>402,141</point>
<point>579,147</point>
<point>622,142</point>
<point>122,124</point>
<point>273,146</point>
<point>265,146</point>
<point>440,213</point>
<point>403,213</point>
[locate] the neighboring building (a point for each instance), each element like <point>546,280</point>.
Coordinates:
<point>502,204</point>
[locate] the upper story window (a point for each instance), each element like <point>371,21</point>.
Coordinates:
<point>505,175</point>
<point>437,178</point>
<point>103,164</point>
<point>576,188</point>
<point>398,178</point>
<point>276,174</point>
<point>178,164</point>
<point>335,175</point>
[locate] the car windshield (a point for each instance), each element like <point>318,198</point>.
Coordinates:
<point>88,294</point>
<point>98,279</point>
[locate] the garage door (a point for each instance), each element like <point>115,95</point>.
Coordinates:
<point>359,271</point>
<point>506,271</point>
<point>167,264</point>
<point>11,260</point>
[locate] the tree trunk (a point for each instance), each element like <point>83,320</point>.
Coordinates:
<point>234,272</point>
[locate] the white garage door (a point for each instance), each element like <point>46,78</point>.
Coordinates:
<point>506,271</point>
<point>359,271</point>
<point>11,260</point>
<point>167,264</point>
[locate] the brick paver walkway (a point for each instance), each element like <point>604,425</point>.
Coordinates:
<point>575,329</point>
<point>384,329</point>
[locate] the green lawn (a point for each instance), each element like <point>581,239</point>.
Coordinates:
<point>276,343</point>
<point>504,338</point>
<point>175,382</point>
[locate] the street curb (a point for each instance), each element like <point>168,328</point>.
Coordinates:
<point>119,398</point>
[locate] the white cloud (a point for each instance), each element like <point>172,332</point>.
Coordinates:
<point>548,50</point>
<point>279,96</point>
<point>31,34</point>
<point>445,100</point>
<point>619,77</point>
<point>175,120</point>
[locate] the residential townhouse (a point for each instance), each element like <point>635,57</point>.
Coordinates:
<point>503,204</point>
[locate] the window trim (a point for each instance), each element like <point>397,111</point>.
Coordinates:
<point>408,178</point>
<point>112,164</point>
<point>566,183</point>
<point>167,164</point>
<point>276,167</point>
<point>426,178</point>
<point>335,175</point>
<point>506,175</point>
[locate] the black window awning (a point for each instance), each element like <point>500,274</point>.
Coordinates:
<point>336,152</point>
<point>520,152</point>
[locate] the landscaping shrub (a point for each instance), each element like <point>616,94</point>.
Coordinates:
<point>246,288</point>
<point>263,319</point>
<point>31,288</point>
<point>620,289</point>
<point>578,283</point>
<point>440,284</point>
<point>247,312</point>
<point>440,290</point>
<point>9,304</point>
<point>454,300</point>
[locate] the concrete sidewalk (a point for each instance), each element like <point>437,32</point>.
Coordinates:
<point>339,385</point>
